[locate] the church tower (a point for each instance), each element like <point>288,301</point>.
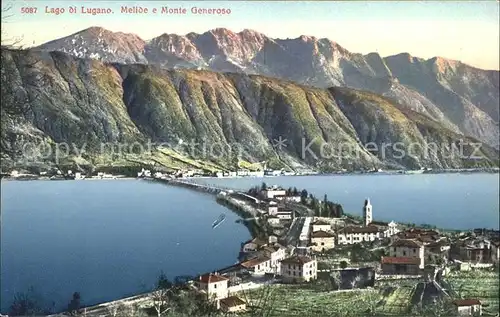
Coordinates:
<point>367,212</point>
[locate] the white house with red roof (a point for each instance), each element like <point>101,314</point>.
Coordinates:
<point>468,307</point>
<point>214,285</point>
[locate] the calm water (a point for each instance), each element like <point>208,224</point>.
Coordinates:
<point>458,201</point>
<point>107,239</point>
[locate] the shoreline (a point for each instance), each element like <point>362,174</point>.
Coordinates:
<point>358,173</point>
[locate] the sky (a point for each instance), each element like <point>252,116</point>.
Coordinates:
<point>461,30</point>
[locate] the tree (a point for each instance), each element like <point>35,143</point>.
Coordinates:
<point>160,299</point>
<point>336,278</point>
<point>75,304</point>
<point>303,196</point>
<point>25,304</point>
<point>163,282</point>
<point>295,191</point>
<point>261,301</point>
<point>343,264</point>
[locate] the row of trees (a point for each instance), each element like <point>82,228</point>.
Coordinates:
<point>30,303</point>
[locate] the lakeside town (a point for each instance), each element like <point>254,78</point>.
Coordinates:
<point>77,173</point>
<point>307,257</point>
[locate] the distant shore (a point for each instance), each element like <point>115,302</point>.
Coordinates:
<point>339,173</point>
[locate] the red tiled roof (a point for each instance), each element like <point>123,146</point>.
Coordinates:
<point>322,234</point>
<point>297,259</point>
<point>400,260</point>
<point>466,302</point>
<point>232,301</point>
<point>254,262</point>
<point>212,278</point>
<point>407,243</point>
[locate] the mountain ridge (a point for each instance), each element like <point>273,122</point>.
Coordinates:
<point>462,97</point>
<point>86,103</point>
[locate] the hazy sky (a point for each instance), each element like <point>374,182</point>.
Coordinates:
<point>466,31</point>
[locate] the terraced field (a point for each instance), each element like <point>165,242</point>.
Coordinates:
<point>476,284</point>
<point>390,300</point>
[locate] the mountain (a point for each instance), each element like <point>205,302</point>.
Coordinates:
<point>463,98</point>
<point>69,110</point>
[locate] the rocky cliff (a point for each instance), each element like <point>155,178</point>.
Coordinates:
<point>463,98</point>
<point>59,107</point>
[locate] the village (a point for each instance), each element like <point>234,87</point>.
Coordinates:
<point>316,259</point>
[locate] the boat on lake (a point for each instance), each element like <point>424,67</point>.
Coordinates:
<point>218,221</point>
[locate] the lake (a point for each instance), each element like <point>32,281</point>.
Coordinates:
<point>107,238</point>
<point>456,201</point>
<point>111,238</point>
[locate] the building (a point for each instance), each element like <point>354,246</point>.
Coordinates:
<point>473,250</point>
<point>274,221</point>
<point>214,285</point>
<point>367,212</point>
<point>352,234</point>
<point>276,253</point>
<point>272,192</point>
<point>400,265</point>
<point>392,229</point>
<point>272,209</point>
<point>321,225</point>
<point>296,199</point>
<point>408,248</point>
<point>232,304</point>
<point>285,214</point>
<point>258,266</point>
<point>298,269</point>
<point>322,241</point>
<point>424,236</point>
<point>468,307</point>
<point>253,245</point>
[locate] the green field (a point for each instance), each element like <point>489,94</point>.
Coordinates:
<point>482,285</point>
<point>292,300</point>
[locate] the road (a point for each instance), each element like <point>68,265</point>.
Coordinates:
<point>300,209</point>
<point>292,236</point>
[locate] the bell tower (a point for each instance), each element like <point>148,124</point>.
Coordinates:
<point>367,212</point>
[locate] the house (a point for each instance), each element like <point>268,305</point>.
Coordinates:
<point>425,236</point>
<point>276,253</point>
<point>468,307</point>
<point>408,248</point>
<point>392,229</point>
<point>298,269</point>
<point>232,304</point>
<point>285,214</point>
<point>272,192</point>
<point>272,209</point>
<point>273,221</point>
<point>322,241</point>
<point>295,199</point>
<point>400,265</point>
<point>253,245</point>
<point>473,250</point>
<point>353,234</point>
<point>258,266</point>
<point>14,173</point>
<point>214,285</point>
<point>321,225</point>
